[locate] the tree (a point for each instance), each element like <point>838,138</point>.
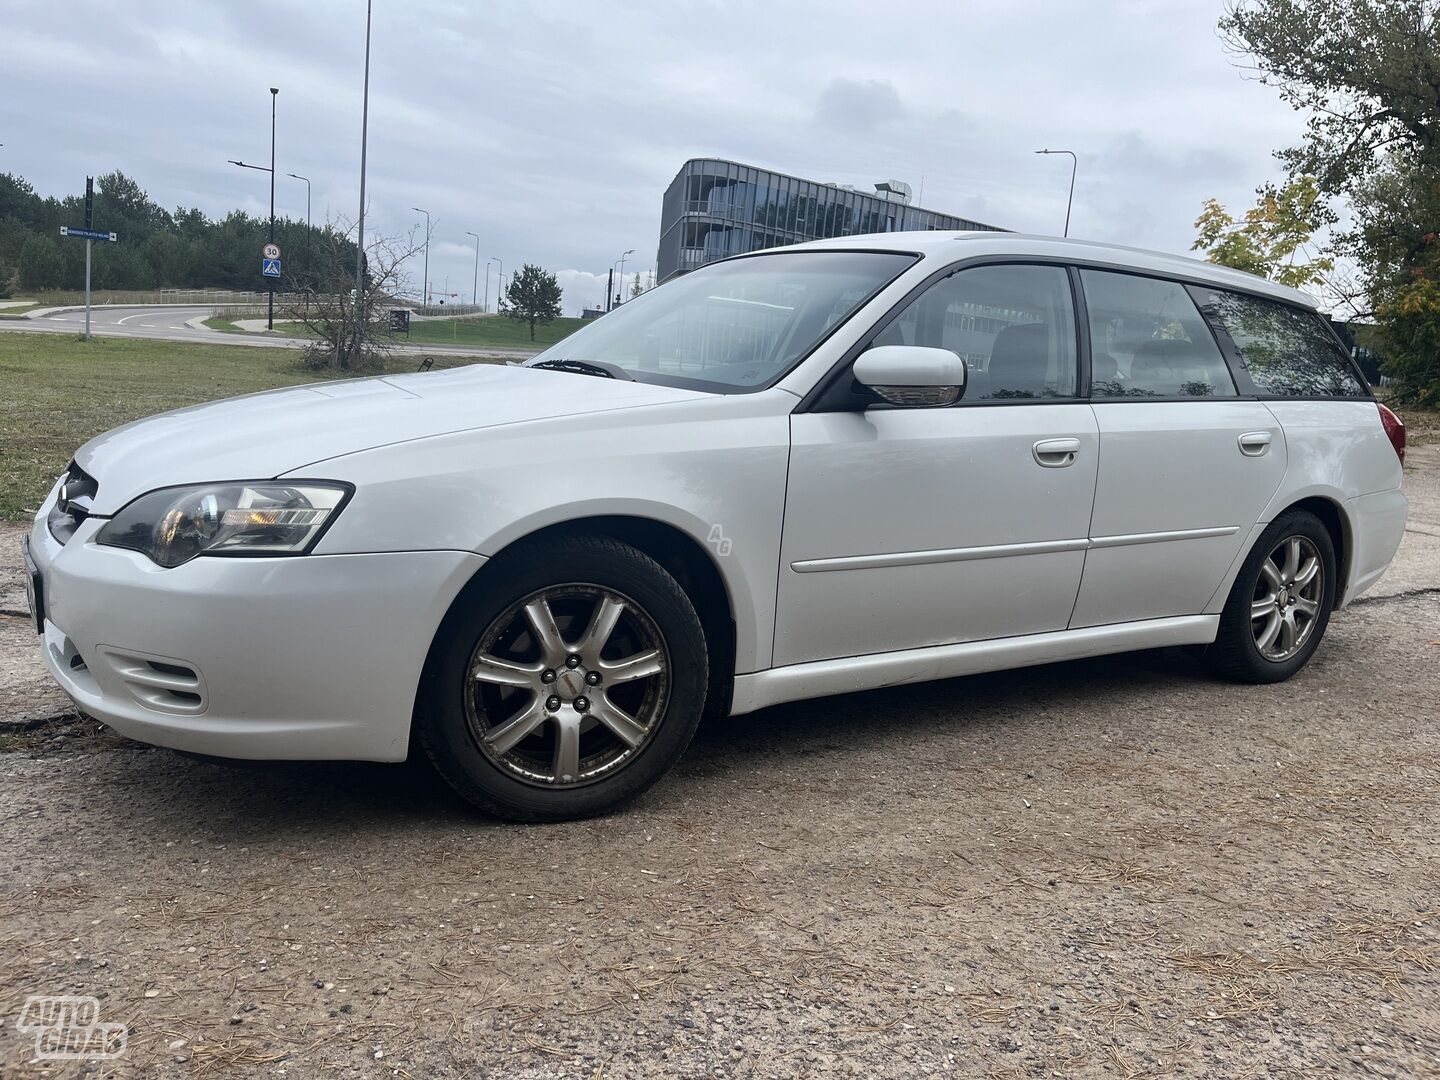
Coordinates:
<point>341,342</point>
<point>40,263</point>
<point>533,297</point>
<point>1271,234</point>
<point>1368,74</point>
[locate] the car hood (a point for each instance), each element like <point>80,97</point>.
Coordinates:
<point>260,436</point>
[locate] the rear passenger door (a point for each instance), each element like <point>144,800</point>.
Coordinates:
<point>1186,465</point>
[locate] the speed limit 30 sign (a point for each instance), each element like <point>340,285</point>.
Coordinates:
<point>270,251</point>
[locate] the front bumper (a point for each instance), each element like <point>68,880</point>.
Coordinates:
<point>310,657</point>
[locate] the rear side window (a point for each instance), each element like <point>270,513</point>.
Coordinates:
<point>1148,340</point>
<point>1014,325</point>
<point>1287,351</point>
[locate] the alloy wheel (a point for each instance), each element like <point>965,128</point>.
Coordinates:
<point>1287,599</point>
<point>567,685</point>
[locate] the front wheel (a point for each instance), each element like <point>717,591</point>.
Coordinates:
<point>571,681</point>
<point>1280,603</point>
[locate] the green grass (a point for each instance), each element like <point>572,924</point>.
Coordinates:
<point>492,330</point>
<point>61,391</point>
<point>217,322</point>
<point>18,311</point>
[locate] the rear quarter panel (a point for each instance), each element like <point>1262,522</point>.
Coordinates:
<point>1338,451</point>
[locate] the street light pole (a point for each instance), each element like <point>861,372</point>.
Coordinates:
<point>270,314</point>
<point>499,282</point>
<point>262,168</point>
<point>475,280</point>
<point>360,240</point>
<point>296,176</point>
<point>620,262</point>
<point>426,281</point>
<point>1074,163</point>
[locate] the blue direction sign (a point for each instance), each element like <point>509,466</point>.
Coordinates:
<point>270,267</point>
<point>87,234</point>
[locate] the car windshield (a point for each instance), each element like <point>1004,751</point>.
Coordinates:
<point>735,326</point>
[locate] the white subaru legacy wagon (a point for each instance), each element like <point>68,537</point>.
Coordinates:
<point>840,465</point>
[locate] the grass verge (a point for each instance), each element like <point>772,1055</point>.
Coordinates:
<point>62,391</point>
<point>492,330</point>
<point>218,322</point>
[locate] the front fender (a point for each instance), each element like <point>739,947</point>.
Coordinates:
<point>712,468</point>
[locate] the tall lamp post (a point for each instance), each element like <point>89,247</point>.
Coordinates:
<point>296,176</point>
<point>426,282</point>
<point>475,280</point>
<point>274,92</point>
<point>262,168</point>
<point>499,281</point>
<point>1074,162</point>
<point>619,275</point>
<point>360,232</point>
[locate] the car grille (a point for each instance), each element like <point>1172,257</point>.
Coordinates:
<point>73,504</point>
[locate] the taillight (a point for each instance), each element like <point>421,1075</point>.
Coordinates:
<point>1394,431</point>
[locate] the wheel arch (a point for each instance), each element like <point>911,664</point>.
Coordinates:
<point>1326,505</point>
<point>1332,515</point>
<point>682,556</point>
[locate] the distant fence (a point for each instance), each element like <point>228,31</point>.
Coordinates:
<point>444,311</point>
<point>197,297</point>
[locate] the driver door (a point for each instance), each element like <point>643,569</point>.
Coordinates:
<point>913,527</point>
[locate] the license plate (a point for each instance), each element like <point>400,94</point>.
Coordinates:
<point>34,587</point>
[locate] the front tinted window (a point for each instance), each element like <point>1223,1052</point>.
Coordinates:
<point>1013,325</point>
<point>733,325</point>
<point>1148,340</point>
<point>1288,352</point>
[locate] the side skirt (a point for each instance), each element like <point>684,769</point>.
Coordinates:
<point>821,678</point>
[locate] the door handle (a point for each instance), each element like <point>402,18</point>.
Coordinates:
<point>1055,453</point>
<point>1254,443</point>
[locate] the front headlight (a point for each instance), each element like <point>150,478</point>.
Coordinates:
<point>266,517</point>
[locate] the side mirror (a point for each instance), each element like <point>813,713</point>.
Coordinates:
<point>911,375</point>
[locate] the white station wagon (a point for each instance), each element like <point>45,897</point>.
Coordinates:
<point>841,465</point>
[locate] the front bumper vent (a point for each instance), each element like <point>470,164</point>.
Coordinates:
<point>158,683</point>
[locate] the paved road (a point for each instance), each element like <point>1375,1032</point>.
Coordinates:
<point>169,323</point>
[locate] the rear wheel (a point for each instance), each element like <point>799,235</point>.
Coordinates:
<point>1280,603</point>
<point>571,682</point>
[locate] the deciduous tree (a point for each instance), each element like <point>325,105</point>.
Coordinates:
<point>342,341</point>
<point>1367,74</point>
<point>1271,238</point>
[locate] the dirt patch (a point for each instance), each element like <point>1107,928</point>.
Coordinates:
<point>1116,868</point>
<point>1113,868</point>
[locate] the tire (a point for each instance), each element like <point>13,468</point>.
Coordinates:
<point>1262,592</point>
<point>522,732</point>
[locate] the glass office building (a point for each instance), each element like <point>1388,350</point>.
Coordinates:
<point>714,209</point>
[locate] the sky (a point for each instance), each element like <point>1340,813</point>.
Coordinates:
<point>552,129</point>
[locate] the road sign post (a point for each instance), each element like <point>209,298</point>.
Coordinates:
<point>89,234</point>
<point>271,264</point>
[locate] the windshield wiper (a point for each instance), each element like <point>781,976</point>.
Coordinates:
<point>584,367</point>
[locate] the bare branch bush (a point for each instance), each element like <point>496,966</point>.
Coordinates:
<point>327,309</point>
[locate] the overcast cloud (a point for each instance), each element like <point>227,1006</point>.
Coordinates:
<point>553,129</point>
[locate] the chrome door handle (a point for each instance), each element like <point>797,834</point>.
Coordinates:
<point>1254,443</point>
<point>1055,453</point>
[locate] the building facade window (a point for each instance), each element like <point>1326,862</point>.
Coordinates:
<point>714,209</point>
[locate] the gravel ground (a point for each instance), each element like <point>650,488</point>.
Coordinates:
<point>1111,868</point>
